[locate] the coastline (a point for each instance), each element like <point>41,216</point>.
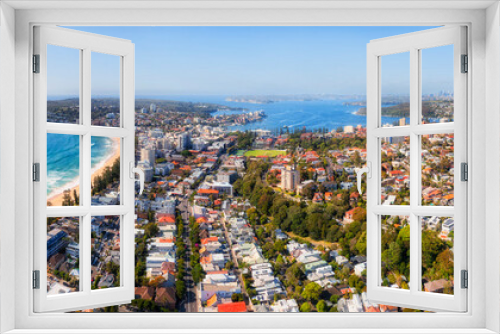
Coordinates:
<point>56,199</point>
<point>360,112</point>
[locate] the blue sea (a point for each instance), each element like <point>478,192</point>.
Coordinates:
<point>63,159</point>
<point>317,114</point>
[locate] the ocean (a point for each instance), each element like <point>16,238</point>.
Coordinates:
<point>63,159</point>
<point>316,114</point>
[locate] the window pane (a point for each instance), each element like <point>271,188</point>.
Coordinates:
<point>395,247</point>
<point>437,254</point>
<point>105,170</point>
<point>437,170</point>
<point>395,171</point>
<point>105,89</point>
<point>63,85</point>
<point>63,170</point>
<point>437,84</point>
<point>105,252</point>
<point>63,255</point>
<point>395,89</point>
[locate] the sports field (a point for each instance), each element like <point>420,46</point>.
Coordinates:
<point>269,153</point>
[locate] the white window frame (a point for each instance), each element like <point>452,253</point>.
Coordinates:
<point>86,44</point>
<point>483,310</point>
<point>412,44</point>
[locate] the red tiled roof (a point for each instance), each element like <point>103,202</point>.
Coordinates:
<point>144,292</point>
<point>232,307</point>
<point>212,300</point>
<point>216,272</point>
<point>388,308</point>
<point>208,191</point>
<point>165,240</point>
<point>166,219</point>
<point>168,267</point>
<point>209,240</point>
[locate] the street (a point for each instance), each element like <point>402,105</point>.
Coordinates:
<point>238,271</point>
<point>190,302</point>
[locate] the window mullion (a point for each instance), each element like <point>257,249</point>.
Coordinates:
<point>414,167</point>
<point>85,254</point>
<point>85,152</point>
<point>85,176</point>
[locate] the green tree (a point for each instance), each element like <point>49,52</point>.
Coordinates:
<point>198,273</point>
<point>186,154</point>
<point>321,306</point>
<point>237,297</point>
<point>334,299</point>
<point>180,289</point>
<point>305,307</point>
<point>312,291</point>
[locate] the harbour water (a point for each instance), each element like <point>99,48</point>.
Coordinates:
<point>314,114</point>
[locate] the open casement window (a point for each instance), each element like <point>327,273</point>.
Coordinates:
<point>93,218</point>
<point>416,198</point>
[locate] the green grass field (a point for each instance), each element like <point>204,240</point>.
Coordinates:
<point>269,153</point>
<point>239,153</point>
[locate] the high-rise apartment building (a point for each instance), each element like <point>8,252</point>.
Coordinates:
<point>148,155</point>
<point>152,108</point>
<point>290,178</point>
<point>348,129</point>
<point>182,141</point>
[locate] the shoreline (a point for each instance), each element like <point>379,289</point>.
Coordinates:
<point>360,112</point>
<point>56,199</point>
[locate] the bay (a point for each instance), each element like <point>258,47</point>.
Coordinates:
<point>315,114</point>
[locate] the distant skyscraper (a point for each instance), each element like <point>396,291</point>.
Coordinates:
<point>148,155</point>
<point>152,108</point>
<point>402,121</point>
<point>290,178</point>
<point>167,143</point>
<point>182,141</point>
<point>348,129</point>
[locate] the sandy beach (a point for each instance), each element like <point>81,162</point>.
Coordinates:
<point>57,199</point>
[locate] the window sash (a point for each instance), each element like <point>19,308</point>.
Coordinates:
<point>86,43</point>
<point>413,43</point>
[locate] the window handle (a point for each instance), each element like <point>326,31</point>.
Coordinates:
<point>359,172</point>
<point>140,172</point>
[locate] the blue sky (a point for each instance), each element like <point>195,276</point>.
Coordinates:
<point>250,60</point>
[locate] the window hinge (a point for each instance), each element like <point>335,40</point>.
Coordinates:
<point>36,63</point>
<point>464,171</point>
<point>36,279</point>
<point>36,172</point>
<point>465,64</point>
<point>465,279</point>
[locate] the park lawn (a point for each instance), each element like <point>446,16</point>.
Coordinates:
<point>315,243</point>
<point>240,153</point>
<point>269,153</point>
